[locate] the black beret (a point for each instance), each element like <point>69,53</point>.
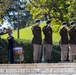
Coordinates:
<point>48,22</point>
<point>64,23</point>
<point>72,22</point>
<point>37,21</point>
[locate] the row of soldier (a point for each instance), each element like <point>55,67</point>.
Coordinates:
<point>68,42</point>
<point>65,43</point>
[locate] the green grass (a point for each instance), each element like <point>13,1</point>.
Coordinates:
<point>26,34</point>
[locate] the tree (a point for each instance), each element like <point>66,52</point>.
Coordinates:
<point>18,14</point>
<point>57,9</point>
<point>4,5</point>
<point>72,10</point>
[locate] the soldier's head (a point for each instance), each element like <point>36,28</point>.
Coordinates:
<point>37,22</point>
<point>64,24</point>
<point>72,23</point>
<point>48,22</point>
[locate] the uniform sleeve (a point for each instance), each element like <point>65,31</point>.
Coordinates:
<point>45,30</point>
<point>0,44</point>
<point>35,31</point>
<point>61,31</point>
<point>72,32</point>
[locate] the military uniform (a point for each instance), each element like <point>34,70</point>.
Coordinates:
<point>0,44</point>
<point>0,49</point>
<point>64,42</point>
<point>47,30</point>
<point>10,48</point>
<point>72,34</point>
<point>36,41</point>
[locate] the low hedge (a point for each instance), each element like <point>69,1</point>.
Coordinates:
<point>28,51</point>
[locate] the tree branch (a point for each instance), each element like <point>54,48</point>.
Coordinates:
<point>33,4</point>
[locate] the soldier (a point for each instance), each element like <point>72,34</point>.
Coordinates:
<point>36,41</point>
<point>0,43</point>
<point>0,49</point>
<point>47,30</point>
<point>72,40</point>
<point>10,39</point>
<point>64,41</point>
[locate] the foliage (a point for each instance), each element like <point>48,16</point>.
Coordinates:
<point>3,52</point>
<point>57,9</point>
<point>55,28</point>
<point>72,11</point>
<point>56,53</point>
<point>28,51</point>
<point>17,14</point>
<point>27,48</point>
<point>4,5</point>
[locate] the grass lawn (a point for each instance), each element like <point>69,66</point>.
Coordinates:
<point>26,34</point>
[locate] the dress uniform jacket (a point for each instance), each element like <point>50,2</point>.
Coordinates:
<point>64,35</point>
<point>10,42</point>
<point>0,44</point>
<point>72,34</point>
<point>10,48</point>
<point>37,38</point>
<point>48,34</point>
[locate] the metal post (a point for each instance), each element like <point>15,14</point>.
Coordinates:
<point>43,56</point>
<point>18,24</point>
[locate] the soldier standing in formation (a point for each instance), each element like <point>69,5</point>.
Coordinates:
<point>64,41</point>
<point>0,43</point>
<point>36,41</point>
<point>47,30</point>
<point>72,41</point>
<point>10,39</point>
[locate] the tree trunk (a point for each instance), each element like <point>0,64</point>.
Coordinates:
<point>61,16</point>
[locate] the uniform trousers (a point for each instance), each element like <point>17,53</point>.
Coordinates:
<point>37,53</point>
<point>48,51</point>
<point>72,52</point>
<point>64,51</point>
<point>11,56</point>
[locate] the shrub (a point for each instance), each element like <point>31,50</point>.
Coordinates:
<point>28,51</point>
<point>3,52</point>
<point>27,48</point>
<point>56,53</point>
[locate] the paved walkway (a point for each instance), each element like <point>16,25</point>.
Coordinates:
<point>38,69</point>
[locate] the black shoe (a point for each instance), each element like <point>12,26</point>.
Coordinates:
<point>37,61</point>
<point>63,61</point>
<point>48,61</point>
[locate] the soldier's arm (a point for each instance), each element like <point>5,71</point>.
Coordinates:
<point>35,31</point>
<point>60,31</point>
<point>45,30</point>
<point>71,32</point>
